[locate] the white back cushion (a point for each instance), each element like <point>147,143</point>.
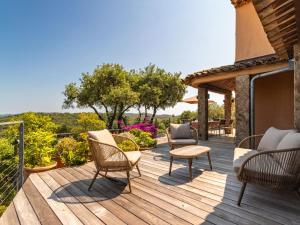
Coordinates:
<point>180,131</point>
<point>272,138</point>
<point>104,136</point>
<point>291,140</point>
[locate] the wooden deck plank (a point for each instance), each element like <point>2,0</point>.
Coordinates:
<point>146,216</point>
<point>102,213</point>
<point>10,216</point>
<point>100,197</point>
<point>228,199</point>
<point>61,196</point>
<point>154,200</point>
<point>82,213</point>
<point>39,205</point>
<point>24,210</point>
<point>198,202</point>
<point>59,208</point>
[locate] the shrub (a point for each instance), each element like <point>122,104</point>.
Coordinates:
<point>143,139</point>
<point>126,146</point>
<point>38,149</point>
<point>39,138</point>
<point>72,152</point>
<point>146,127</point>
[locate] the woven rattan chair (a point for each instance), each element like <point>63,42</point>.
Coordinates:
<point>174,143</point>
<point>277,169</point>
<point>108,157</point>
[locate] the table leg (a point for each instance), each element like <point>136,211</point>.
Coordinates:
<point>209,160</point>
<point>171,161</point>
<point>190,169</point>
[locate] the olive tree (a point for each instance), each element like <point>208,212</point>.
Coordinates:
<point>108,88</point>
<point>159,89</point>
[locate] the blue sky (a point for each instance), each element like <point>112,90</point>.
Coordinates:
<point>46,44</point>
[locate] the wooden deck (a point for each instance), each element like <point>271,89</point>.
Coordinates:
<point>61,197</point>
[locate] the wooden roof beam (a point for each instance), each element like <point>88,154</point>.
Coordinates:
<point>196,81</point>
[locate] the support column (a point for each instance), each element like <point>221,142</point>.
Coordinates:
<point>203,113</point>
<point>297,86</point>
<point>242,101</point>
<point>227,107</point>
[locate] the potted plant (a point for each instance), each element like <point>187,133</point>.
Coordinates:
<point>39,152</point>
<point>72,152</point>
<point>39,139</point>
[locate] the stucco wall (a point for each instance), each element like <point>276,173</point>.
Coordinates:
<point>274,102</point>
<point>251,39</point>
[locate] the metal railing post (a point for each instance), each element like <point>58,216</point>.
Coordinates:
<point>21,155</point>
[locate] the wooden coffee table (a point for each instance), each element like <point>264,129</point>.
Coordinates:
<point>189,152</point>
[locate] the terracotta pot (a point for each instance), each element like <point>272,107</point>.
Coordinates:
<point>59,162</point>
<point>38,169</point>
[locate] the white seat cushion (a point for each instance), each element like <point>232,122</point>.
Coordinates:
<point>103,136</point>
<point>183,141</point>
<point>272,138</point>
<point>240,156</point>
<point>180,131</point>
<point>114,160</point>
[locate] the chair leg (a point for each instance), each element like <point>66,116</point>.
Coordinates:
<point>171,161</point>
<point>138,169</point>
<point>105,173</point>
<point>128,179</point>
<point>209,160</point>
<point>241,193</point>
<point>298,192</point>
<point>190,169</point>
<point>93,180</point>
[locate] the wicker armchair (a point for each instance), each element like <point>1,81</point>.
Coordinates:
<point>276,169</point>
<point>174,143</point>
<point>108,157</point>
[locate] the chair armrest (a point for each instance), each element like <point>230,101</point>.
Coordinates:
<point>168,135</point>
<point>119,139</point>
<point>246,142</point>
<point>259,162</point>
<point>106,149</point>
<point>195,134</point>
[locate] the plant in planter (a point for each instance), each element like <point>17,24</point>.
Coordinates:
<point>38,149</point>
<point>39,139</point>
<point>72,152</point>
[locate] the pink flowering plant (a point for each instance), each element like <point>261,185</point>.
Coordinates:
<point>144,134</point>
<point>146,127</point>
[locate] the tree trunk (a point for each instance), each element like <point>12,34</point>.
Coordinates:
<point>140,114</point>
<point>153,115</point>
<point>112,118</point>
<point>96,111</point>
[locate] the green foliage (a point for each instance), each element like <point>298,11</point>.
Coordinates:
<point>215,111</point>
<point>72,152</point>
<point>159,89</point>
<point>89,121</point>
<point>143,139</point>
<point>8,165</point>
<point>38,148</point>
<point>2,209</point>
<point>38,138</point>
<point>126,146</point>
<point>188,115</point>
<point>109,87</point>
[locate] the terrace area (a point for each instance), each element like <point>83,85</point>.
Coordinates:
<point>61,196</point>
